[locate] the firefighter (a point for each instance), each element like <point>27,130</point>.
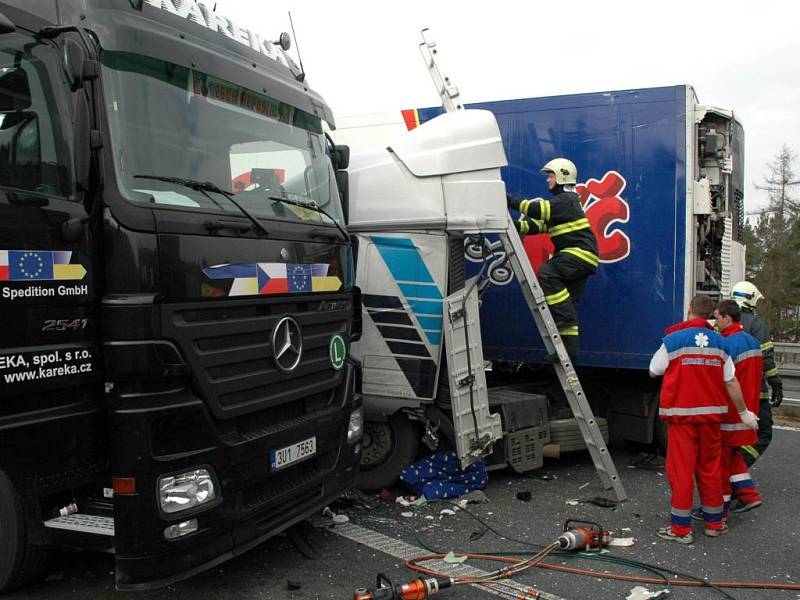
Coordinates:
<point>747,296</point>
<point>564,276</point>
<point>699,377</point>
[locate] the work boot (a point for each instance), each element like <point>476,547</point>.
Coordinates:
<point>571,344</point>
<point>697,514</point>
<point>737,506</point>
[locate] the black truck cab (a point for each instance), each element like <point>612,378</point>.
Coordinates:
<point>176,290</point>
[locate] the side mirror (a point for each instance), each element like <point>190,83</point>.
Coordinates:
<point>343,183</point>
<point>6,25</point>
<point>15,92</point>
<point>82,151</point>
<point>77,67</point>
<point>340,156</point>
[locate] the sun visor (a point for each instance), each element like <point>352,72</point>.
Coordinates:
<point>178,40</point>
<point>466,140</point>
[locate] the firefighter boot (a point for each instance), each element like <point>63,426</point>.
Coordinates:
<point>571,344</point>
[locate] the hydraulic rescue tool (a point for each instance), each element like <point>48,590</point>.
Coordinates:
<point>586,536</point>
<point>418,589</point>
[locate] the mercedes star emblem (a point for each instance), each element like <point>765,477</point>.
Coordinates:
<point>287,345</point>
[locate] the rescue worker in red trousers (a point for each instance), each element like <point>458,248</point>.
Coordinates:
<point>747,296</point>
<point>745,351</point>
<point>564,276</point>
<point>699,377</point>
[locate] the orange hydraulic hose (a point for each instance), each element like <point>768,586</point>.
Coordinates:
<point>413,564</point>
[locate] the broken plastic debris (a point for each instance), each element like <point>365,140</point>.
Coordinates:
<point>407,514</point>
<point>622,542</point>
<point>339,519</point>
<point>572,502</point>
<point>583,486</point>
<point>475,497</point>
<point>446,512</point>
<point>642,593</point>
<point>421,501</point>
<point>453,559</point>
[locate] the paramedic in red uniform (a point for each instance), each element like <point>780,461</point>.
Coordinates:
<point>745,351</point>
<point>699,377</point>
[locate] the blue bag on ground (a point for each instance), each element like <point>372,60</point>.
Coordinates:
<point>440,476</point>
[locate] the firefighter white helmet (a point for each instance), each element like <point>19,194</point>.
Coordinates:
<point>565,171</point>
<point>746,294</point>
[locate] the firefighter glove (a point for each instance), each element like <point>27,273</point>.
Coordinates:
<point>749,418</point>
<point>777,390</point>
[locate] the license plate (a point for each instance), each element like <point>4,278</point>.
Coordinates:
<point>283,457</point>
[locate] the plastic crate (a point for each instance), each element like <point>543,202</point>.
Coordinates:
<point>519,410</point>
<point>521,450</point>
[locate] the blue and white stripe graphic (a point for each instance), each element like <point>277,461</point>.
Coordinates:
<point>416,284</point>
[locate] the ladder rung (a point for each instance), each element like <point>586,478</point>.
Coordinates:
<point>570,383</point>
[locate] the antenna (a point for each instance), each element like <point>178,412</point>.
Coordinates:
<point>302,75</point>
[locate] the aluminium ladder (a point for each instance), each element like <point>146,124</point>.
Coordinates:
<point>534,297</point>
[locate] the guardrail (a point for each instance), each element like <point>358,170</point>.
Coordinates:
<point>787,355</point>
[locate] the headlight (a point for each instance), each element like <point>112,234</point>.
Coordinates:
<point>185,491</point>
<point>355,428</point>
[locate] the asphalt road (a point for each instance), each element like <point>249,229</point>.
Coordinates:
<point>762,545</point>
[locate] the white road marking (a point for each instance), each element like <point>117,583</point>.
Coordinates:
<point>508,588</point>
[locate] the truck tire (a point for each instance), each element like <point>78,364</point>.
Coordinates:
<point>387,448</point>
<point>20,561</point>
<point>567,435</point>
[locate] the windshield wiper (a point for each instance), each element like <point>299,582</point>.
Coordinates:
<point>204,187</point>
<point>313,206</point>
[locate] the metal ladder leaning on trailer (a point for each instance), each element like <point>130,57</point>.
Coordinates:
<point>535,299</point>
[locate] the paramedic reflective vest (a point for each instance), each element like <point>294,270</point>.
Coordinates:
<point>693,390</point>
<point>745,352</point>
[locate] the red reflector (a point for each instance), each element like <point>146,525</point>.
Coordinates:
<point>124,486</point>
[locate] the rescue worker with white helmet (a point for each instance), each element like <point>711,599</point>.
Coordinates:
<point>564,276</point>
<point>747,296</point>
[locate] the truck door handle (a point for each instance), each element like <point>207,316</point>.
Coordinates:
<point>233,225</point>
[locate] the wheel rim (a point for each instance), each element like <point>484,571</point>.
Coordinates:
<point>377,444</point>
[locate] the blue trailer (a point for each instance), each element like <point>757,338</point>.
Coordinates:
<point>661,182</point>
<point>640,156</point>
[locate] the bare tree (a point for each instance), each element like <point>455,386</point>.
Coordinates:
<point>774,248</point>
<point>778,185</point>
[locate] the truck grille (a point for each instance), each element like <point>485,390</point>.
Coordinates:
<point>228,346</point>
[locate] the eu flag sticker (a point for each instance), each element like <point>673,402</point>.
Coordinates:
<point>30,265</point>
<point>299,277</point>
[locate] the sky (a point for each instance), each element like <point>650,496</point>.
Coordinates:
<point>363,57</point>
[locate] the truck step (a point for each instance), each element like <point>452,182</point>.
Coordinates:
<point>95,524</point>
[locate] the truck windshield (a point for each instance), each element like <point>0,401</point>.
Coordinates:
<point>33,152</point>
<point>169,122</point>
